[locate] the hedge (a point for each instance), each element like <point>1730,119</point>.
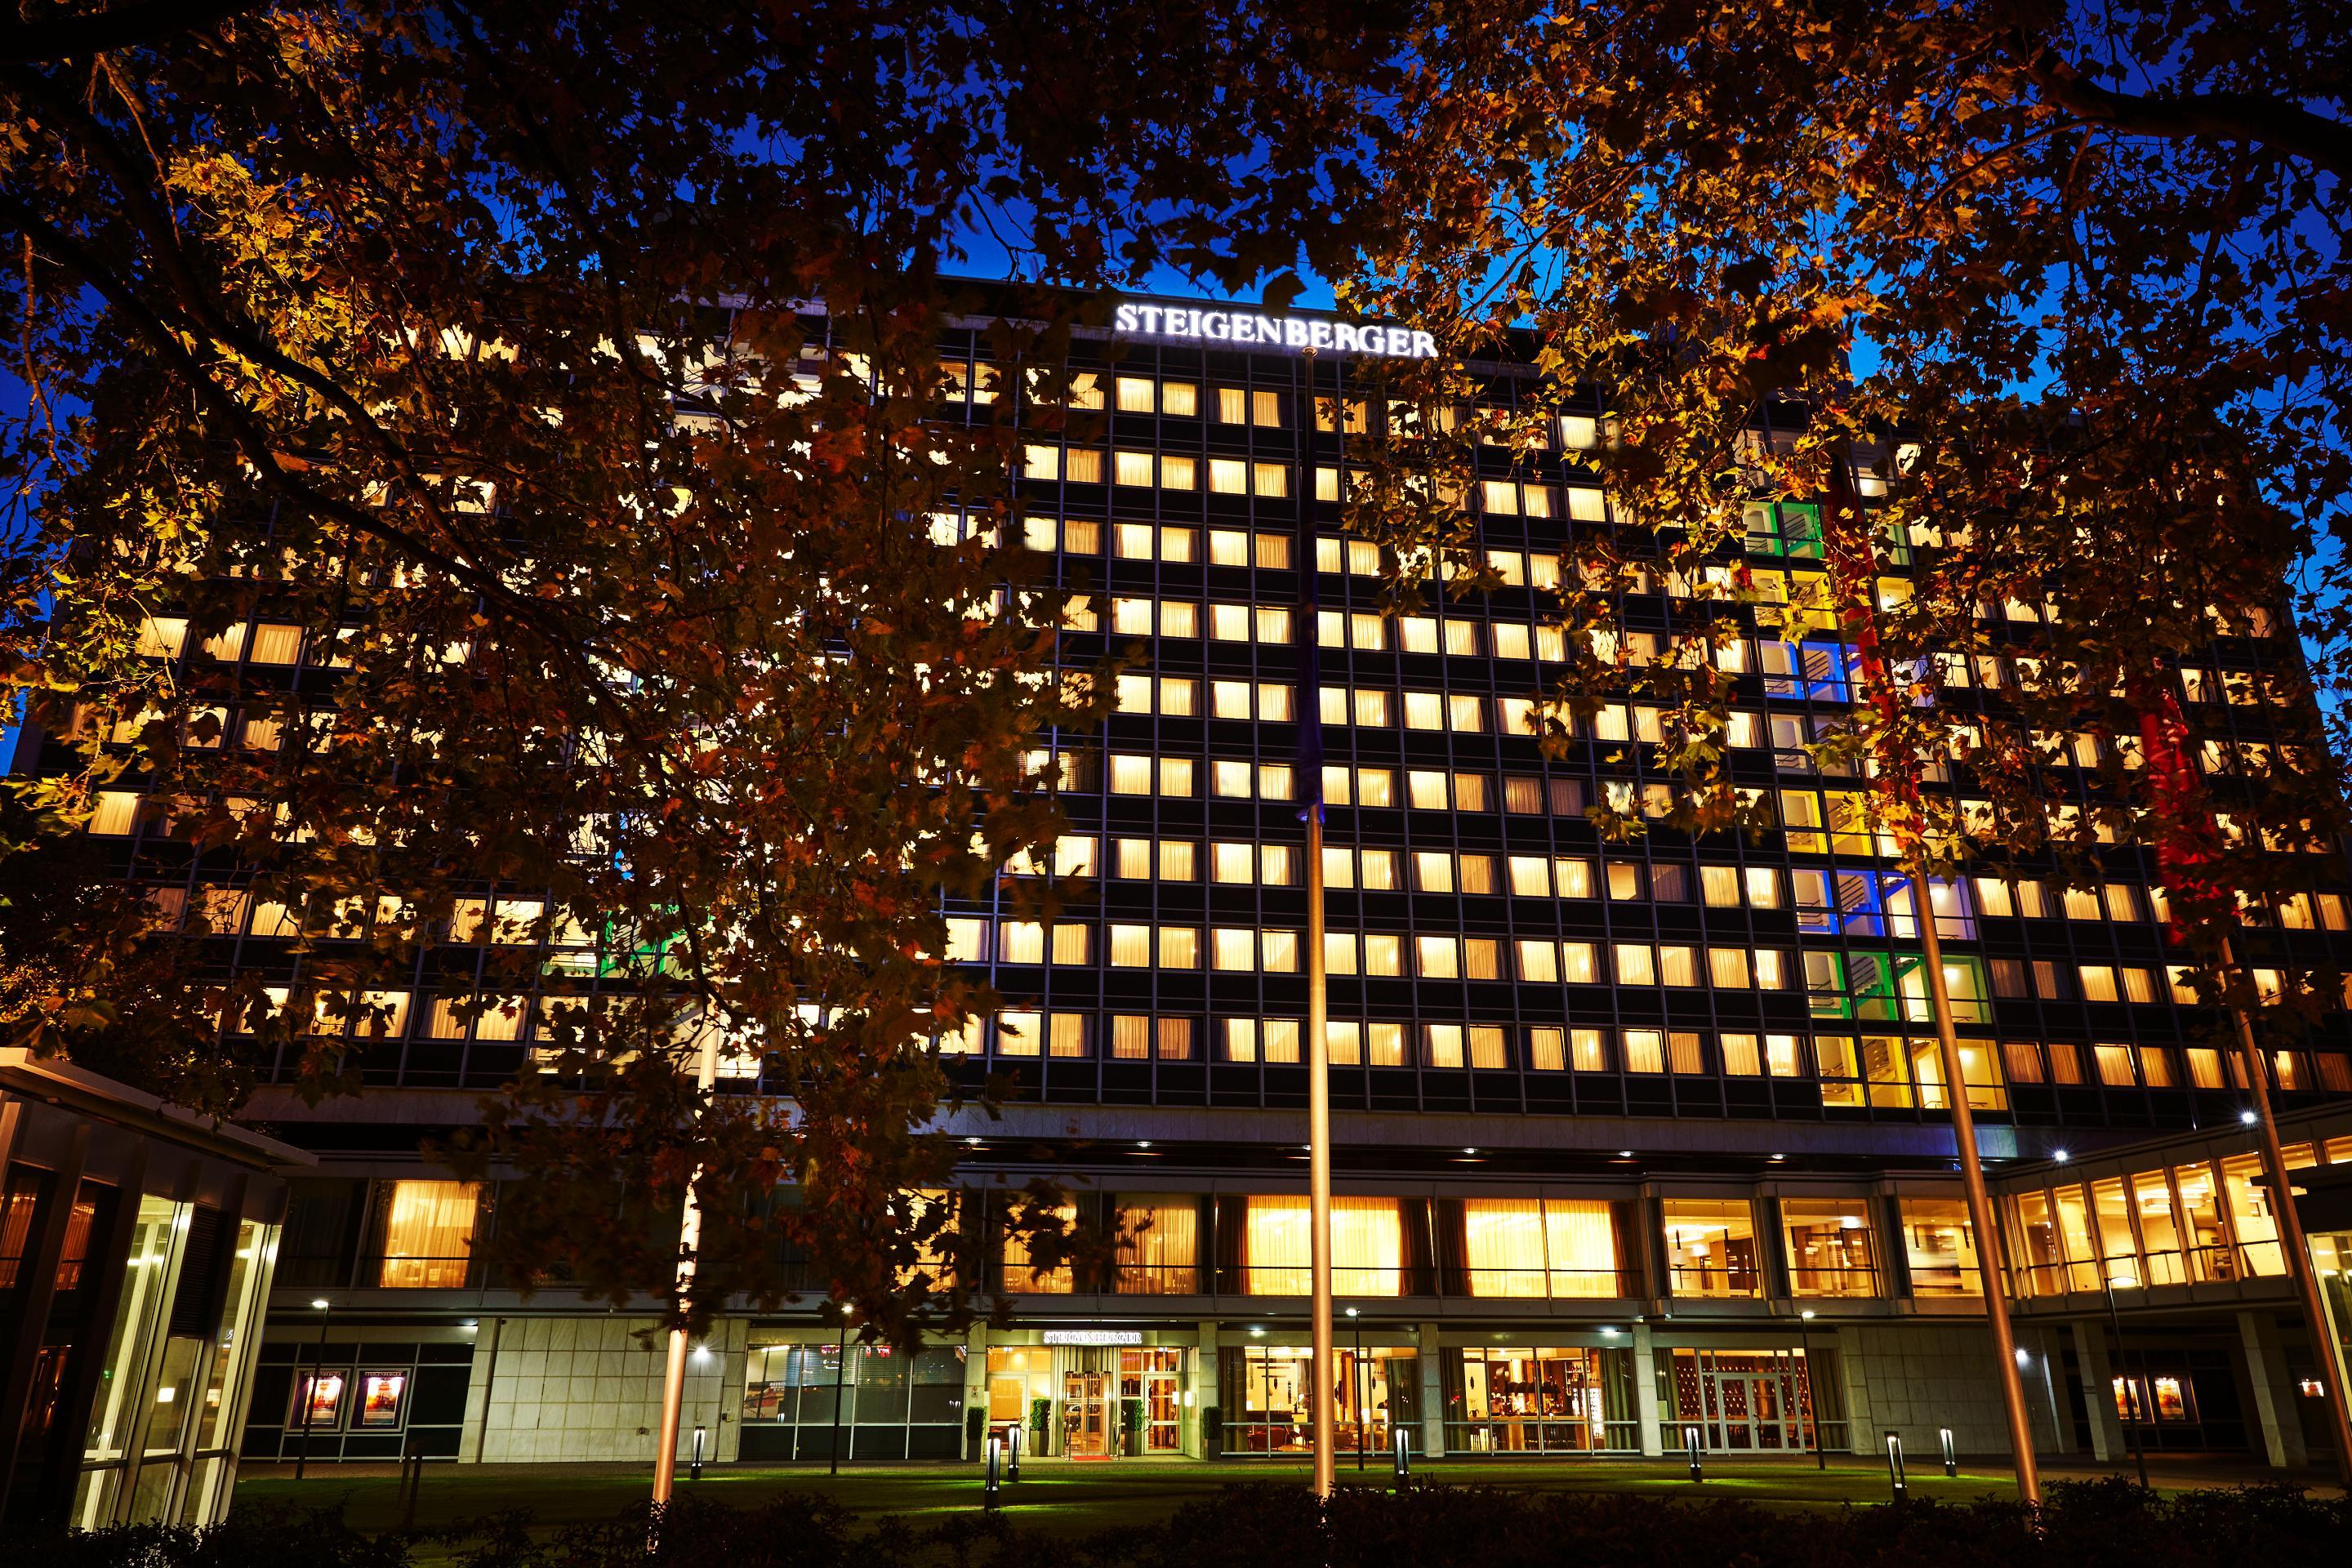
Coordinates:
<point>2085,1524</point>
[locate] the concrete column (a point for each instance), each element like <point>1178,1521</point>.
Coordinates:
<point>1432,1392</point>
<point>975,1385</point>
<point>1646,1390</point>
<point>2273,1391</point>
<point>2098,1375</point>
<point>1207,1390</point>
<point>1854,1369</point>
<point>2044,1376</point>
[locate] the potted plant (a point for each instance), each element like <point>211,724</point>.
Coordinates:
<point>1213,1431</point>
<point>1041,1425</point>
<point>1130,1427</point>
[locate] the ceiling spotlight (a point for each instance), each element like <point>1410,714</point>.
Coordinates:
<point>2059,1154</point>
<point>2247,1117</point>
<point>1470,1150</point>
<point>1143,1143</point>
<point>1780,1157</point>
<point>1624,1153</point>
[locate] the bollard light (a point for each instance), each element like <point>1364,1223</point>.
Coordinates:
<point>1400,1457</point>
<point>1895,1465</point>
<point>694,1466</point>
<point>1013,1454</point>
<point>988,1487</point>
<point>1691,1448</point>
<point>1951,1454</point>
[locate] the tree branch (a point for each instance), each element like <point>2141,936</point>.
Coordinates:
<point>274,473</point>
<point>123,27</point>
<point>2276,123</point>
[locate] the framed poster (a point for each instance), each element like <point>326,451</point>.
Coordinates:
<point>320,1394</point>
<point>383,1397</point>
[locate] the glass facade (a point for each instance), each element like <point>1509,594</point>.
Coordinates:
<point>1489,950</point>
<point>801,1402</point>
<point>1513,992</point>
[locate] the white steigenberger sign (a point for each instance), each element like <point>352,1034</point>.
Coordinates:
<point>1244,327</point>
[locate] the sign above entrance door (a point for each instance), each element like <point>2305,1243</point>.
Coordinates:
<point>1094,1336</point>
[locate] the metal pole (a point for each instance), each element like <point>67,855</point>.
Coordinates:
<point>310,1394</point>
<point>1363,1391</point>
<point>1812,1390</point>
<point>1854,570</point>
<point>689,1237</point>
<point>1319,1154</point>
<point>1980,1209</point>
<point>1318,1048</point>
<point>2291,1236</point>
<point>2131,1398</point>
<point>840,1374</point>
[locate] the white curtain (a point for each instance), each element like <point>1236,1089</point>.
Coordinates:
<point>1019,1276</point>
<point>1367,1247</point>
<point>1160,1259</point>
<point>1582,1245</point>
<point>1506,1246</point>
<point>428,1233</point>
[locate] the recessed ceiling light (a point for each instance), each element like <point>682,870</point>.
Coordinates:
<point>1624,1153</point>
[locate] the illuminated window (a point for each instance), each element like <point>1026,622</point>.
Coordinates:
<point>1711,1248</point>
<point>1367,1247</point>
<point>1939,1248</point>
<point>1829,1243</point>
<point>428,1233</point>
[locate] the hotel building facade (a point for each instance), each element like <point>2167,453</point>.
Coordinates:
<point>1629,1139</point>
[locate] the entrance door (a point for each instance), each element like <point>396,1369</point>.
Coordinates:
<point>1743,1402</point>
<point>1151,1376</point>
<point>1086,1415</point>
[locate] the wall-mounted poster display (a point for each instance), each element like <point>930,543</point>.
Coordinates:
<point>383,1391</point>
<point>323,1394</point>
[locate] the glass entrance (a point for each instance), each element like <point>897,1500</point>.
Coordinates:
<point>1148,1386</point>
<point>1086,1415</point>
<point>1742,1401</point>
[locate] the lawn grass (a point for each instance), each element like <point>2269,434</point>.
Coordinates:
<point>1059,1498</point>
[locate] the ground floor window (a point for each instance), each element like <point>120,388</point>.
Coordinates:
<point>1510,1400</point>
<point>1267,1396</point>
<point>801,1401</point>
<point>1747,1401</point>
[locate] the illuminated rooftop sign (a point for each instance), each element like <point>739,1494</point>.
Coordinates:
<point>1246,328</point>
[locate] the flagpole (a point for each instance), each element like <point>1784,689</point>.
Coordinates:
<point>2290,1231</point>
<point>689,1237</point>
<point>1318,1048</point>
<point>2187,837</point>
<point>1853,576</point>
